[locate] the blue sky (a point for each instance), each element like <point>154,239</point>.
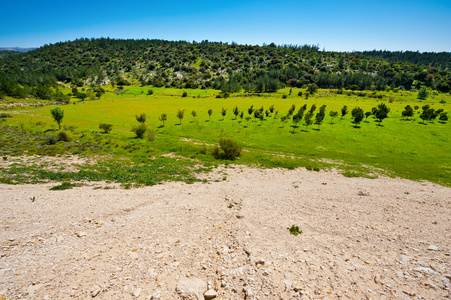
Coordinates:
<point>336,25</point>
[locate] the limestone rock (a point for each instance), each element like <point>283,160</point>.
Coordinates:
<point>191,287</point>
<point>210,294</point>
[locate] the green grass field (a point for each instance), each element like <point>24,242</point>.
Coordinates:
<point>409,149</point>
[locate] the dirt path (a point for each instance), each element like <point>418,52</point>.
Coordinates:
<point>362,238</point>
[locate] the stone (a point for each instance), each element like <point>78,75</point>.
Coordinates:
<point>433,248</point>
<point>260,261</point>
<point>133,255</point>
<point>425,270</point>
<point>33,288</point>
<point>210,294</point>
<point>156,295</point>
<point>80,234</point>
<point>191,288</point>
<point>95,291</point>
<point>137,292</point>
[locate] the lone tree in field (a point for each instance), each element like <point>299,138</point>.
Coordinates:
<point>333,114</point>
<point>57,115</point>
<point>443,117</point>
<point>141,118</point>
<point>381,112</point>
<point>423,93</point>
<point>194,114</point>
<point>210,112</point>
<point>367,114</point>
<point>163,118</point>
<point>241,116</point>
<point>106,127</point>
<point>357,114</point>
<point>223,113</point>
<point>180,115</point>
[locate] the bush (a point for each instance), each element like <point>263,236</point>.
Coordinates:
<point>215,152</point>
<point>5,115</point>
<point>230,147</point>
<point>106,127</point>
<point>184,94</point>
<point>50,140</point>
<point>151,136</point>
<point>139,130</point>
<point>63,136</point>
<point>284,96</point>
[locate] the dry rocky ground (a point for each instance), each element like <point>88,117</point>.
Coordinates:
<point>228,239</point>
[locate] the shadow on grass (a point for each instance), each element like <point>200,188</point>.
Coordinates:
<point>50,130</point>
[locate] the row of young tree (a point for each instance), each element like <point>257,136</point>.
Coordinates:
<point>310,116</point>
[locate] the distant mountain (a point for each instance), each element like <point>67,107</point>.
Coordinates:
<point>18,49</point>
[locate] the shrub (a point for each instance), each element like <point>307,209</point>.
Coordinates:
<point>294,230</point>
<point>139,130</point>
<point>215,152</point>
<point>106,127</point>
<point>50,140</point>
<point>150,92</point>
<point>184,94</point>
<point>230,147</point>
<point>5,115</point>
<point>151,135</point>
<point>203,150</point>
<point>63,136</point>
<point>284,96</point>
<point>63,186</point>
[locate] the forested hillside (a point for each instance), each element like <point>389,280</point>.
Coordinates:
<point>229,67</point>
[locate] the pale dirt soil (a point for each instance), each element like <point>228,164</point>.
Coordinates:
<point>362,238</point>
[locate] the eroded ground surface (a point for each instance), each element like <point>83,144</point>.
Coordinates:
<point>362,238</point>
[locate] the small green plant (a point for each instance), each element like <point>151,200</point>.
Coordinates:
<point>231,148</point>
<point>230,205</point>
<point>151,135</point>
<point>5,115</point>
<point>63,136</point>
<point>63,186</point>
<point>139,130</point>
<point>294,230</point>
<point>106,127</point>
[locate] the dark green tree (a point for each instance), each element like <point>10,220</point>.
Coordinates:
<point>344,111</point>
<point>407,112</point>
<point>163,118</point>
<point>57,115</point>
<point>180,115</point>
<point>358,115</point>
<point>236,112</point>
<point>141,118</point>
<point>381,112</point>
<point>210,112</point>
<point>223,113</point>
<point>423,93</point>
<point>333,114</point>
<point>308,120</point>
<point>320,115</point>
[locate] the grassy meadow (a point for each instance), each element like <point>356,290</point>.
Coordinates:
<point>405,148</point>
